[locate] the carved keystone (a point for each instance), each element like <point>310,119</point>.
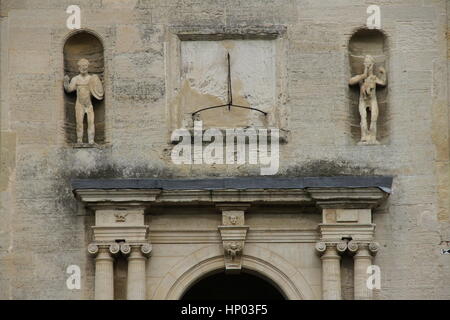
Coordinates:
<point>233,232</point>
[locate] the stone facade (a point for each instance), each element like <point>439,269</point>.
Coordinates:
<point>312,242</point>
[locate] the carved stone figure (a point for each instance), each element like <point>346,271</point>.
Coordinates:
<point>121,216</point>
<point>86,86</point>
<point>233,219</point>
<point>368,82</point>
<point>233,249</point>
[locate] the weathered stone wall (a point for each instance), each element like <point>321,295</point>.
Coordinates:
<point>43,229</point>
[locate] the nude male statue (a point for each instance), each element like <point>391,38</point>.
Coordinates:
<point>85,85</point>
<point>368,82</point>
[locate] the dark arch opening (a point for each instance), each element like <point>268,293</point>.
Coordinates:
<point>222,286</point>
<point>83,45</point>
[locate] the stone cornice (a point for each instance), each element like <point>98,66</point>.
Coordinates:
<point>132,197</point>
<point>347,198</point>
<point>336,231</point>
<point>242,183</point>
<point>332,192</point>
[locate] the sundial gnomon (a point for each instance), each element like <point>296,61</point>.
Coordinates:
<point>229,103</point>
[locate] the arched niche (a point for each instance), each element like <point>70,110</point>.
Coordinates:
<point>369,42</point>
<point>84,45</point>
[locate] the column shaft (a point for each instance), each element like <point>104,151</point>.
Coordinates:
<point>136,281</point>
<point>104,275</point>
<point>362,260</point>
<point>331,274</point>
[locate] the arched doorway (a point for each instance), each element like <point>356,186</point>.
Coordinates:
<point>222,286</point>
<point>273,268</point>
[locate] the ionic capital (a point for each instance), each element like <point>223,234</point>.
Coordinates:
<point>143,248</point>
<point>111,248</point>
<point>339,247</point>
<point>363,247</point>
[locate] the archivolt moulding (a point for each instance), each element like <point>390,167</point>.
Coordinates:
<point>290,281</point>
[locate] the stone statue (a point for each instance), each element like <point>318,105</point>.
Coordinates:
<point>85,85</point>
<point>368,82</point>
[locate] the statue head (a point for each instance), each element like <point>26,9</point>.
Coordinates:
<point>369,62</point>
<point>83,66</point>
<point>233,219</point>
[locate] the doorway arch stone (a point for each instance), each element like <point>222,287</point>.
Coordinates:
<point>266,263</point>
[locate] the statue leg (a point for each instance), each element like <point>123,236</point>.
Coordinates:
<point>79,117</point>
<point>91,124</point>
<point>373,121</point>
<point>363,114</point>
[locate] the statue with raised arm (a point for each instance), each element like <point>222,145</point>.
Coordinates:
<point>368,82</point>
<point>86,86</point>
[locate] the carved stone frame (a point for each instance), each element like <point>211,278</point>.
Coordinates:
<point>174,35</point>
<point>346,204</point>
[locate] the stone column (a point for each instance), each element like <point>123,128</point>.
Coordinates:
<point>136,277</point>
<point>362,259</point>
<point>331,269</point>
<point>104,270</point>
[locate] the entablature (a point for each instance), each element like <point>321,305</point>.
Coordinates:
<point>324,192</point>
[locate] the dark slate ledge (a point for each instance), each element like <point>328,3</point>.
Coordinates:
<point>382,182</point>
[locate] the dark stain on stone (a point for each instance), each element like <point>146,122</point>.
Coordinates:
<point>321,168</point>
